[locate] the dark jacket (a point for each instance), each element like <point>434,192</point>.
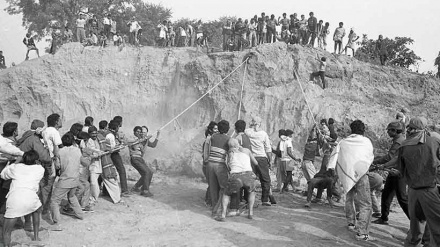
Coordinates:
<point>31,141</point>
<point>420,163</point>
<point>389,160</point>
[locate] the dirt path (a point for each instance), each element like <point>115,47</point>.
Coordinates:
<point>177,216</point>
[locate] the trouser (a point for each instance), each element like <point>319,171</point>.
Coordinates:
<point>383,59</point>
<point>225,41</point>
<point>117,161</point>
<point>423,208</point>
<point>252,38</point>
<point>58,195</point>
<point>321,42</point>
<point>359,194</point>
<point>107,30</point>
<point>46,188</point>
<point>237,42</point>
<point>94,185</point>
<point>320,183</point>
<point>308,169</point>
<point>80,34</point>
<point>270,35</point>
<point>338,46</point>
<point>303,36</point>
<point>182,41</point>
<point>262,171</point>
<point>218,180</point>
<point>312,35</point>
<point>144,182</point>
<point>207,194</point>
<point>288,180</point>
<point>280,173</point>
<point>262,38</point>
<point>83,192</point>
<point>393,186</point>
<point>321,75</point>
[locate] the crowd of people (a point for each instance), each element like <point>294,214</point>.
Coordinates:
<point>42,169</point>
<point>234,166</point>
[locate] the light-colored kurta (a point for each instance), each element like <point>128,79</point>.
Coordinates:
<point>22,198</point>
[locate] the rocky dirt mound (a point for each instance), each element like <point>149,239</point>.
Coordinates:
<point>149,86</point>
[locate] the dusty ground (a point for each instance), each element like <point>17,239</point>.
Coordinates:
<point>177,216</point>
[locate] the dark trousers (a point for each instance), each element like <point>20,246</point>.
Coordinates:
<point>144,182</point>
<point>262,171</point>
<point>321,183</point>
<point>208,193</point>
<point>321,75</point>
<point>312,36</point>
<point>393,186</point>
<point>117,161</point>
<point>424,208</point>
<point>383,58</point>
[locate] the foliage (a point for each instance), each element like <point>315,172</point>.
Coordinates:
<point>44,16</point>
<point>398,52</point>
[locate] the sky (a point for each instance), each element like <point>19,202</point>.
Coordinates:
<point>419,20</point>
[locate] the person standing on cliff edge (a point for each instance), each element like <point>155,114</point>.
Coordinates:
<point>436,63</point>
<point>2,61</point>
<point>28,41</point>
<point>381,50</point>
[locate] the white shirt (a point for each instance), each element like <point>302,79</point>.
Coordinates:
<point>7,147</point>
<point>134,26</point>
<point>239,162</point>
<point>111,139</point>
<point>52,138</point>
<point>106,21</point>
<point>23,176</point>
<point>260,142</point>
<point>284,145</point>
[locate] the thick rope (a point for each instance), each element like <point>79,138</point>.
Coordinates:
<point>304,95</point>
<point>241,93</point>
<point>201,97</point>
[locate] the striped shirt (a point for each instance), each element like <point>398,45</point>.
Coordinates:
<point>219,148</point>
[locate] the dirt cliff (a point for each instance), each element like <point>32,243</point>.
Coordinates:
<point>149,86</point>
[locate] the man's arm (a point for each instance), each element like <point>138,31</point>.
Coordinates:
<point>24,42</point>
<point>393,152</point>
<point>251,156</point>
<point>154,144</point>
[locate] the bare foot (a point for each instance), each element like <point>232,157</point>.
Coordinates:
<point>250,217</point>
<point>36,239</point>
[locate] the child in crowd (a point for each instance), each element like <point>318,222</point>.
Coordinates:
<point>22,197</point>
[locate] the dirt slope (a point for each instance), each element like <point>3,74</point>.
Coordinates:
<point>149,86</point>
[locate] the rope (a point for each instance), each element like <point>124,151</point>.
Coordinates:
<point>304,95</point>
<point>201,97</point>
<point>241,93</point>
<point>307,102</point>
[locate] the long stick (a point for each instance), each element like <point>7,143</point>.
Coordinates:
<point>195,102</point>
